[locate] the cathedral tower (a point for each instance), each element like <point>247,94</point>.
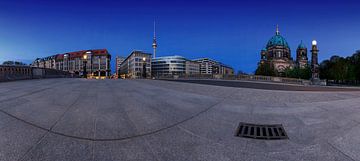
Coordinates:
<point>301,55</point>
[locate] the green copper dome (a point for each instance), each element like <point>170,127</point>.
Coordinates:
<point>277,40</point>
<point>302,46</point>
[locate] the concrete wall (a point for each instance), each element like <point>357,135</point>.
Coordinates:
<point>240,77</point>
<point>10,73</point>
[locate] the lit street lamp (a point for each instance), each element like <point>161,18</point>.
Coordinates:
<point>144,67</point>
<point>84,67</point>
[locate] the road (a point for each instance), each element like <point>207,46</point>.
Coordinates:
<point>79,119</point>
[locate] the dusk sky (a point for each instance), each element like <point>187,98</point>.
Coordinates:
<point>232,32</point>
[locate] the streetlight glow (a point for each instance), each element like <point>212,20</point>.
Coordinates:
<point>85,56</point>
<point>314,42</point>
<point>144,59</point>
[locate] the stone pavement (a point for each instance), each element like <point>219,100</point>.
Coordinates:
<point>78,119</point>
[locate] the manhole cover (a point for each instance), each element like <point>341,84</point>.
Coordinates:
<point>256,131</point>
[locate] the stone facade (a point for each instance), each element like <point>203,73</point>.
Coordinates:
<point>136,65</point>
<point>277,52</point>
<point>97,62</point>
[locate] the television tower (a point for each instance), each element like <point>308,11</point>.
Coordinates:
<point>154,44</point>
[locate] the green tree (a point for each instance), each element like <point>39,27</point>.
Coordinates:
<point>341,70</point>
<point>265,69</point>
<point>13,63</point>
<point>297,72</point>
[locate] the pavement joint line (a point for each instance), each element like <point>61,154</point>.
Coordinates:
<point>199,136</point>
<point>331,145</point>
<point>33,146</point>
<point>94,126</point>
<point>22,88</point>
<point>340,151</point>
<point>31,93</point>
<point>67,109</point>
<point>151,149</point>
<point>116,139</point>
<point>31,124</point>
<point>145,140</point>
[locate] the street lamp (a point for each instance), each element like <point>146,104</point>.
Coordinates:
<point>84,67</point>
<point>144,67</point>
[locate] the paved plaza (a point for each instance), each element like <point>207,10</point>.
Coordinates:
<point>79,119</point>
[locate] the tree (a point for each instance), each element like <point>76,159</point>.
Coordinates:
<point>325,70</point>
<point>265,69</point>
<point>297,72</point>
<point>240,72</point>
<point>341,70</point>
<point>13,63</point>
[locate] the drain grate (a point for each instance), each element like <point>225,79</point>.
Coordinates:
<point>256,131</point>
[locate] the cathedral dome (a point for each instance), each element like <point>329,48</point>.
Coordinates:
<point>277,40</point>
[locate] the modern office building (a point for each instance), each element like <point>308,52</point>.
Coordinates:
<point>118,61</point>
<point>210,66</point>
<point>136,65</point>
<point>173,65</point>
<point>97,62</point>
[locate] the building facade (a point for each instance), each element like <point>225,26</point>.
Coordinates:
<point>210,66</point>
<point>192,67</point>
<point>206,65</point>
<point>47,62</point>
<point>173,65</point>
<point>136,65</point>
<point>277,53</point>
<point>118,60</point>
<point>97,62</point>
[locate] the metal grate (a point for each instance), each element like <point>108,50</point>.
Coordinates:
<point>255,131</point>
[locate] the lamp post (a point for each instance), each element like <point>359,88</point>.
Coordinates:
<point>84,67</point>
<point>144,67</point>
<point>314,60</point>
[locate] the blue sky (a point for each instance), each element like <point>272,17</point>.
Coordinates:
<point>232,32</point>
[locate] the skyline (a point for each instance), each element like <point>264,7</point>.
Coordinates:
<point>230,32</point>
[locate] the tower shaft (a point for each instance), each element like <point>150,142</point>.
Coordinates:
<point>154,44</point>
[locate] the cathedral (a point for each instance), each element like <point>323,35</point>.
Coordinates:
<point>277,52</point>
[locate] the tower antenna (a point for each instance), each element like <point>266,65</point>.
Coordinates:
<point>154,29</point>
<point>154,45</point>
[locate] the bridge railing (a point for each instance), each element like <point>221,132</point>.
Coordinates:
<point>9,73</point>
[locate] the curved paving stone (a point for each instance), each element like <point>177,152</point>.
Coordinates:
<point>78,119</point>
